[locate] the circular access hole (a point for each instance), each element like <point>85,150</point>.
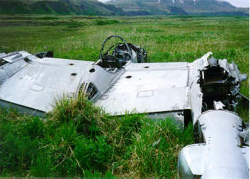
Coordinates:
<point>146,67</point>
<point>128,76</point>
<point>73,74</point>
<point>92,70</point>
<point>71,64</point>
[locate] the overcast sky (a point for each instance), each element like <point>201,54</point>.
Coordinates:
<point>237,3</point>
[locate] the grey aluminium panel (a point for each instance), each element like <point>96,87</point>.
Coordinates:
<point>38,84</point>
<point>150,89</point>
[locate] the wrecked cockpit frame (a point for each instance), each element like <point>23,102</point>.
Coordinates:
<point>204,92</point>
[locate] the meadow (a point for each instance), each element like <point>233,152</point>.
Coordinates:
<point>77,139</point>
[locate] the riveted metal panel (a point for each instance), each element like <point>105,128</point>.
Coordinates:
<point>156,88</point>
<point>40,82</point>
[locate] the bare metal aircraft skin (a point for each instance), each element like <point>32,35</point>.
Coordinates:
<point>204,92</point>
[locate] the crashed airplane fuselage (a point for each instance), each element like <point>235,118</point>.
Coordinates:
<point>205,92</point>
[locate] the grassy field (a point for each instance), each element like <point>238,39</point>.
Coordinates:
<point>77,142</point>
<point>169,38</point>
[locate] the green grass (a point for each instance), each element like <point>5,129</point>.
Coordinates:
<point>78,139</point>
<point>166,38</point>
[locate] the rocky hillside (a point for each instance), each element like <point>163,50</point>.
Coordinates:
<point>178,7</point>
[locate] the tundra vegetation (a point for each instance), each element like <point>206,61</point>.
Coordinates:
<point>78,139</point>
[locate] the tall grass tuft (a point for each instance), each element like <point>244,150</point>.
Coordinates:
<point>78,139</point>
<point>155,150</point>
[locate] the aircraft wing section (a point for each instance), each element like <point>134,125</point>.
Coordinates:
<point>148,88</point>
<point>41,81</point>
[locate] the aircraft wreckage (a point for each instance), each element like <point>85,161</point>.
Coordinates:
<point>205,92</point>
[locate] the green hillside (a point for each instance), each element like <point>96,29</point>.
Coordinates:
<point>64,7</point>
<point>122,7</point>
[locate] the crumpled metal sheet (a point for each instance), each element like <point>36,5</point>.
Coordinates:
<point>232,68</point>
